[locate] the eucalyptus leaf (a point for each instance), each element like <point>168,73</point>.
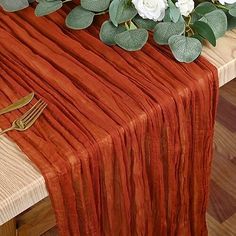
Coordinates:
<point>79,18</point>
<point>231,22</point>
<point>132,40</point>
<point>144,23</point>
<point>47,7</point>
<point>121,11</point>
<point>205,7</point>
<point>205,31</point>
<point>109,31</point>
<point>217,20</point>
<point>195,17</point>
<point>199,37</point>
<point>232,11</point>
<point>174,11</point>
<point>164,30</point>
<point>232,5</point>
<point>13,5</point>
<point>185,49</point>
<point>95,5</point>
<point>167,16</point>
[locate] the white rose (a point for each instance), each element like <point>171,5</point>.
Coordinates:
<point>151,9</point>
<point>227,1</point>
<point>185,6</point>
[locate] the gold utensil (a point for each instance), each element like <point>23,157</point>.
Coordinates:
<point>28,119</point>
<point>18,104</point>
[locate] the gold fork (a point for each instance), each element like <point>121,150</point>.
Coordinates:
<point>28,119</point>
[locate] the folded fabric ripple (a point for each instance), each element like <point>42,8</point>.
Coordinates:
<point>125,145</point>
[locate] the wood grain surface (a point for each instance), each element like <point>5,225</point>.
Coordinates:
<point>223,56</point>
<point>9,228</point>
<point>22,186</point>
<point>37,220</point>
<point>222,206</point>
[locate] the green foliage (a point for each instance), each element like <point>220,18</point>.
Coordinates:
<point>46,7</point>
<point>204,8</point>
<point>185,49</point>
<point>164,30</point>
<point>232,12</point>
<point>132,40</point>
<point>217,20</point>
<point>167,16</point>
<point>174,12</point>
<point>231,9</point>
<point>109,31</point>
<point>144,23</point>
<point>95,5</point>
<point>198,37</point>
<point>127,29</point>
<point>205,31</point>
<point>13,5</point>
<point>231,22</point>
<point>121,11</point>
<point>79,18</point>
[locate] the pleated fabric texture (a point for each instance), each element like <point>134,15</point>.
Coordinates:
<point>125,144</point>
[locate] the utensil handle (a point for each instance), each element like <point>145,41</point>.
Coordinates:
<point>6,130</point>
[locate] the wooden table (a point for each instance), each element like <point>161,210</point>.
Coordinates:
<point>21,184</point>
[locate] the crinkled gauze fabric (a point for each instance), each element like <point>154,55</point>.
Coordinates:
<point>125,144</point>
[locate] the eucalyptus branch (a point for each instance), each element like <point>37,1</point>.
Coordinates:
<point>221,6</point>
<point>130,21</point>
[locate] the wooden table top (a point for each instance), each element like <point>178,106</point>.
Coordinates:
<point>223,56</point>
<point>22,185</point>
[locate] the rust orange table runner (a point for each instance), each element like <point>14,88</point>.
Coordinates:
<point>125,144</point>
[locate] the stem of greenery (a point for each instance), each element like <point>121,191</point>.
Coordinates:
<point>101,13</point>
<point>222,7</point>
<point>67,1</point>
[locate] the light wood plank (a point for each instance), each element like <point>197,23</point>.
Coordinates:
<point>223,56</point>
<point>21,184</point>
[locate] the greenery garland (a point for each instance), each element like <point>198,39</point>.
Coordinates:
<point>184,25</point>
